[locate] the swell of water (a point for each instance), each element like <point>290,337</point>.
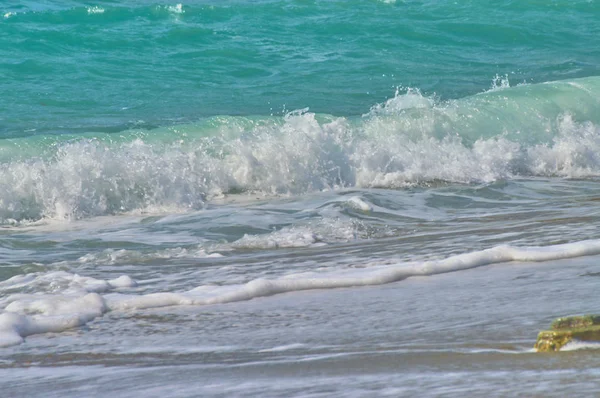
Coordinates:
<point>548,129</point>
<point>165,63</point>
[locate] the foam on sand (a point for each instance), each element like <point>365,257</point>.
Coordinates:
<point>62,301</point>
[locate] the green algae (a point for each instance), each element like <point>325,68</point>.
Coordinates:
<point>564,330</point>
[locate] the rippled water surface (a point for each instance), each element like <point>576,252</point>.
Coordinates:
<point>303,198</point>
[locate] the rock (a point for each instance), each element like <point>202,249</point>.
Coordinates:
<point>564,330</point>
<point>575,322</point>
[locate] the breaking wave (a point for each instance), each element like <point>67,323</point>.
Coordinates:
<point>549,129</point>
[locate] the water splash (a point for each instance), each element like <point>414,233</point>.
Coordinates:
<point>408,140</point>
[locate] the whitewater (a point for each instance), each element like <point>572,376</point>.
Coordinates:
<point>341,198</point>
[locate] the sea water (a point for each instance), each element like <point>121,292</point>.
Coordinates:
<point>301,198</point>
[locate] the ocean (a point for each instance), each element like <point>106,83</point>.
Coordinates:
<point>297,197</point>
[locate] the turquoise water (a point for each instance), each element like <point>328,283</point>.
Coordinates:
<point>168,102</point>
<point>106,66</point>
<point>301,198</point>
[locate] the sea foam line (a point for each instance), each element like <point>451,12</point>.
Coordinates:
<point>375,275</point>
<point>80,302</point>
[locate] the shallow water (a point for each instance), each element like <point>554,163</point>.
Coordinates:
<point>459,332</point>
<point>432,336</point>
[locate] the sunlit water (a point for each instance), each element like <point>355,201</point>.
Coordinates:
<point>297,198</point>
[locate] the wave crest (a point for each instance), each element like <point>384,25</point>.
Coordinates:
<point>511,133</point>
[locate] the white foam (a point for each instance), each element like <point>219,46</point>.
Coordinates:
<point>188,253</point>
<point>317,233</point>
<point>176,9</point>
<point>370,275</point>
<point>576,345</point>
<point>153,300</point>
<point>74,300</point>
<point>62,282</point>
<point>500,83</point>
<point>111,256</point>
<point>411,98</point>
<point>59,301</point>
<point>22,318</point>
<point>358,203</point>
<point>95,10</point>
<point>575,151</point>
<point>411,139</point>
<point>287,237</point>
<point>286,347</point>
<point>122,281</point>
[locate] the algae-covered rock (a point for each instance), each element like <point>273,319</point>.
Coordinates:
<point>564,330</point>
<point>574,322</point>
